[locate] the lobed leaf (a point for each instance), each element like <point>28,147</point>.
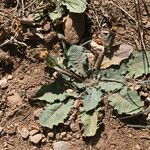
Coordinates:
<point>55,114</point>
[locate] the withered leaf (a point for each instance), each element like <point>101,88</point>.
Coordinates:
<point>122,53</point>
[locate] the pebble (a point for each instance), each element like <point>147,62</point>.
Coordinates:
<point>9,77</point>
<point>44,140</point>
<point>148,119</point>
<point>61,145</point>
<point>24,133</point>
<point>3,83</point>
<point>1,129</point>
<point>138,147</point>
<point>14,100</point>
<point>58,137</point>
<point>74,127</point>
<point>50,135</point>
<point>68,137</point>
<point>63,134</point>
<point>33,132</point>
<point>69,90</point>
<point>77,136</point>
<point>36,138</point>
<point>1,113</point>
<point>55,75</point>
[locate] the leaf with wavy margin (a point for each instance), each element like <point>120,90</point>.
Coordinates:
<point>91,97</point>
<point>55,114</point>
<point>78,60</point>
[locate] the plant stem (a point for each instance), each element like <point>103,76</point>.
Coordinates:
<point>112,80</point>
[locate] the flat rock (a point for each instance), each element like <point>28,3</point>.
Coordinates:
<point>36,138</point>
<point>14,100</point>
<point>24,132</point>
<point>33,132</point>
<point>61,145</point>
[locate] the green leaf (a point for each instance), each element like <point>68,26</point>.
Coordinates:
<point>55,15</point>
<point>78,60</point>
<point>110,86</point>
<point>57,87</point>
<point>117,72</point>
<point>75,6</point>
<point>138,66</point>
<point>55,114</point>
<point>91,98</point>
<point>79,86</point>
<point>128,102</point>
<point>89,122</point>
<point>38,16</point>
<point>50,97</point>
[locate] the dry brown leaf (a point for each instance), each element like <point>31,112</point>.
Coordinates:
<point>74,26</point>
<point>122,53</point>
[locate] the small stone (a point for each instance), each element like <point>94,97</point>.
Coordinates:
<point>77,136</point>
<point>24,133</point>
<point>73,139</point>
<point>143,94</point>
<point>14,100</point>
<point>1,129</point>
<point>61,145</point>
<point>63,134</point>
<point>74,127</point>
<point>58,137</point>
<point>69,90</point>
<point>130,135</point>
<point>44,140</point>
<point>3,83</point>
<point>36,138</point>
<point>1,113</point>
<point>55,75</point>
<point>148,119</point>
<point>138,147</point>
<point>148,25</point>
<point>2,132</point>
<point>50,135</point>
<point>96,2</point>
<point>9,77</point>
<point>68,137</point>
<point>33,132</point>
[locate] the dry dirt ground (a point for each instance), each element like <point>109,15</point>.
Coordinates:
<point>23,74</point>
